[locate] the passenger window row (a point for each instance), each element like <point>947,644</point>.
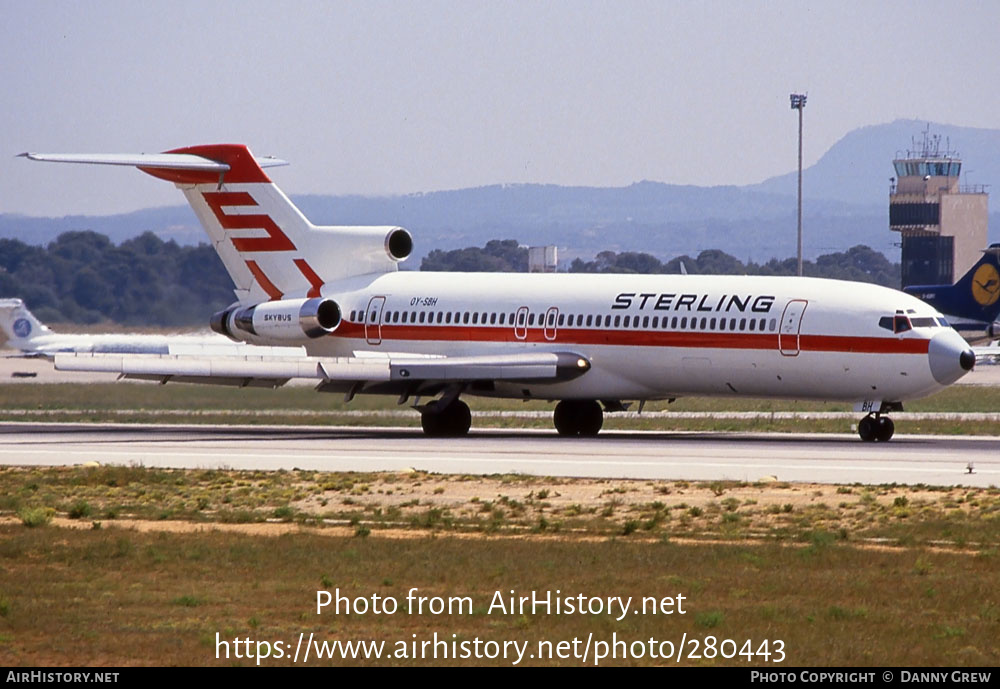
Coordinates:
<point>522,319</point>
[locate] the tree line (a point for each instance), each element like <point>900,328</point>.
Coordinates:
<point>82,277</point>
<point>859,263</point>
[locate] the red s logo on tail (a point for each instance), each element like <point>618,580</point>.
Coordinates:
<point>276,240</point>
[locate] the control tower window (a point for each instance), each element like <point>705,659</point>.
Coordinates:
<point>910,168</point>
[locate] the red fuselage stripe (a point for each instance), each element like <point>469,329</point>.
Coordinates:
<point>642,338</point>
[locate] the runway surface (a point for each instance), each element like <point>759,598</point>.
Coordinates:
<point>932,460</point>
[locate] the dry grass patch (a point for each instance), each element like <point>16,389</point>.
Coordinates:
<point>369,502</point>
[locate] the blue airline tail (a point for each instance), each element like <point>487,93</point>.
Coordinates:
<point>975,297</point>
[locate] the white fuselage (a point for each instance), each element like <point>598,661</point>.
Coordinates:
<point>658,336</point>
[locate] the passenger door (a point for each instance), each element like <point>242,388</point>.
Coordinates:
<point>791,322</point>
<point>551,323</point>
<point>521,323</point>
<point>373,320</point>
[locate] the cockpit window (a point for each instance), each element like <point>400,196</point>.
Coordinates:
<point>923,322</point>
<point>897,324</point>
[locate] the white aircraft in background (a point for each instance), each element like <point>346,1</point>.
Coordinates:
<point>988,354</point>
<point>35,339</point>
<point>584,340</point>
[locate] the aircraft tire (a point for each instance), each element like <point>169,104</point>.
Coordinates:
<point>885,429</point>
<point>453,421</point>
<point>590,418</point>
<point>459,418</point>
<point>432,424</point>
<point>578,417</point>
<point>564,418</point>
<point>867,429</point>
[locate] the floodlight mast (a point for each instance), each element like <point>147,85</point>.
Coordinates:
<point>798,101</point>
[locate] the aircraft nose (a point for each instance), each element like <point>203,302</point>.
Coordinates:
<point>950,357</point>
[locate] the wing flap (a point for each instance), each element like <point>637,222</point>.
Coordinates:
<point>201,380</point>
<point>236,367</point>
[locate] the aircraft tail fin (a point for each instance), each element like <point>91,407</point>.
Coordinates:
<point>976,295</point>
<point>267,245</point>
<point>19,324</point>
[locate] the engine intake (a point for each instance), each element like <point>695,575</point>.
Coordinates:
<point>285,319</point>
<point>398,244</point>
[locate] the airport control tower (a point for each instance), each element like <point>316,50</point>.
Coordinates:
<point>943,225</point>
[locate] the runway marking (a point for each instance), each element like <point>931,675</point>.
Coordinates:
<point>666,462</point>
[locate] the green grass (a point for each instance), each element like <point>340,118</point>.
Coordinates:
<point>33,517</point>
<point>105,396</point>
<point>124,598</point>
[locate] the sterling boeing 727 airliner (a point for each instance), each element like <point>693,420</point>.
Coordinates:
<point>585,341</point>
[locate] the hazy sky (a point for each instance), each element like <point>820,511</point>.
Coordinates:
<point>404,96</point>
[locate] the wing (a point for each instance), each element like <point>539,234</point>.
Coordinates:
<point>402,374</point>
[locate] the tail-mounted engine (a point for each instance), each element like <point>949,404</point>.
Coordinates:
<point>398,244</point>
<point>285,319</point>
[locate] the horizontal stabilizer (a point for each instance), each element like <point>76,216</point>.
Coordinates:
<point>164,161</point>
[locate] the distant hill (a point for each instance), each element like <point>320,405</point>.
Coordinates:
<point>170,222</point>
<point>858,167</point>
<point>846,195</point>
<point>662,219</point>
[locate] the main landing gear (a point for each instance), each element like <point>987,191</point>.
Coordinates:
<point>448,422</point>
<point>578,417</point>
<point>876,427</point>
<point>571,417</point>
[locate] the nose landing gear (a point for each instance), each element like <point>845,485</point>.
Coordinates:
<point>876,427</point>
